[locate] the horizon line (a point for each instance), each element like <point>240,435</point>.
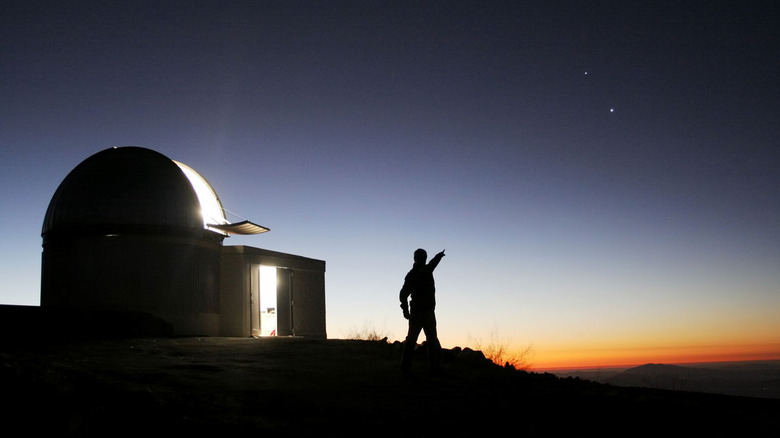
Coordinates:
<point>605,367</point>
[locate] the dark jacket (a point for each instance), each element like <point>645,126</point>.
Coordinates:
<point>420,285</point>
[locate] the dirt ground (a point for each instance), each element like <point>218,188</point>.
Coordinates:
<point>302,387</point>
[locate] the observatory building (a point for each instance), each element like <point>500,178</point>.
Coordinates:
<point>130,230</point>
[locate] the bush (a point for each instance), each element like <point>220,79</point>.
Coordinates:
<point>500,353</point>
<point>367,333</point>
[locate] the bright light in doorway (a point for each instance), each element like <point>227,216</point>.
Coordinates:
<point>267,300</point>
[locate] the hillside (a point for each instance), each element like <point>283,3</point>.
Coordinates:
<point>295,387</point>
<point>746,379</point>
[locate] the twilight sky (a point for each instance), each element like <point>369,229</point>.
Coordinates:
<point>604,177</point>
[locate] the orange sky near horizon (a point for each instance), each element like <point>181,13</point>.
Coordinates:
<point>552,359</point>
<point>609,338</point>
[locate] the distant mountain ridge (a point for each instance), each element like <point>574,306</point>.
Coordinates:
<point>749,379</point>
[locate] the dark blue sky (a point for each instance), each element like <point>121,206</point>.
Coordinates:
<point>593,168</point>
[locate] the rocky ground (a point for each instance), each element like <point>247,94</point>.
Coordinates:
<point>301,387</point>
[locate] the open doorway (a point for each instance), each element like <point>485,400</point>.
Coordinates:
<point>272,311</point>
<point>267,304</point>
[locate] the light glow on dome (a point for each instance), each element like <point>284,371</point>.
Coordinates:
<point>210,206</point>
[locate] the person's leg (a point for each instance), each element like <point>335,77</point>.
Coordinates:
<point>411,341</point>
<point>432,341</point>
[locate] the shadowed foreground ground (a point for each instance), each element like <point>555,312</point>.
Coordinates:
<point>299,387</point>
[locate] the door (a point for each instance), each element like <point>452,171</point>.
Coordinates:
<point>284,302</point>
<point>254,301</point>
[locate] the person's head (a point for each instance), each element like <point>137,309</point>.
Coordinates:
<point>420,256</point>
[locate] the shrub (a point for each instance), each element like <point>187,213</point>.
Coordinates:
<point>367,333</point>
<point>500,353</point>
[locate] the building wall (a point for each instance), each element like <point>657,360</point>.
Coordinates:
<point>174,278</point>
<point>199,287</point>
<point>235,294</point>
<point>239,281</point>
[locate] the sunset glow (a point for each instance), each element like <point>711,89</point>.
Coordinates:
<point>587,358</point>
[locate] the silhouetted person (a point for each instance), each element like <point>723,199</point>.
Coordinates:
<point>420,285</point>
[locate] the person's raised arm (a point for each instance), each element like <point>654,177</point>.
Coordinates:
<point>435,260</point>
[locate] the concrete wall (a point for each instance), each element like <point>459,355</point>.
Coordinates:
<point>239,279</point>
<point>173,278</point>
<point>234,295</point>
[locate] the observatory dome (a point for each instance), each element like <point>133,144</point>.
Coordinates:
<point>127,189</point>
